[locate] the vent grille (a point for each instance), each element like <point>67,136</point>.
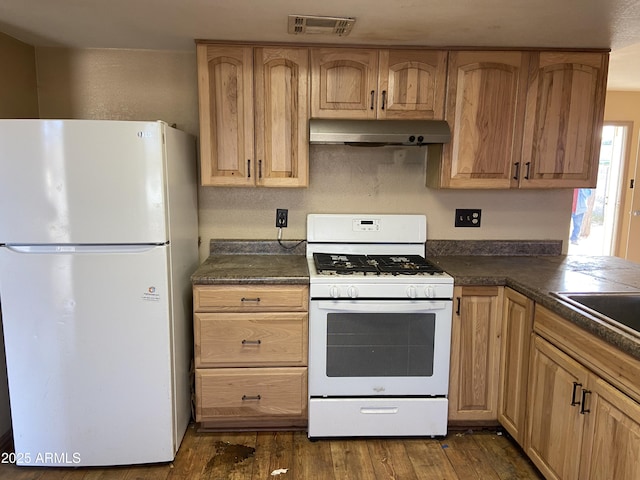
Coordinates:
<point>310,24</point>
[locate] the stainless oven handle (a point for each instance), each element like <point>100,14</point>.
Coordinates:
<point>374,306</point>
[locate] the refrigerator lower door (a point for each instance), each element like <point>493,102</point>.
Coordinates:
<point>89,354</point>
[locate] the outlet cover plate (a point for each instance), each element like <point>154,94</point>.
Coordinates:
<point>468,217</point>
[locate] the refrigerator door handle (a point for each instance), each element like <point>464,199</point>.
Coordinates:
<point>62,249</point>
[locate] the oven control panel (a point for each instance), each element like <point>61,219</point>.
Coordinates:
<point>366,225</point>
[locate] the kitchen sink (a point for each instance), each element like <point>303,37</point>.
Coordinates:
<point>615,307</point>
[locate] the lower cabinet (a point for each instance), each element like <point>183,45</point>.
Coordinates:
<point>251,344</point>
<point>517,324</point>
<point>475,355</point>
<point>611,448</point>
<point>556,424</point>
<point>579,425</point>
<point>251,397</point>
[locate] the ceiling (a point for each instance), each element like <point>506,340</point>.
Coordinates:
<point>174,24</point>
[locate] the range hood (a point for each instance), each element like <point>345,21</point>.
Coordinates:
<point>378,132</point>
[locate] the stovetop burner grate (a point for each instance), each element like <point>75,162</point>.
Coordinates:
<point>345,264</point>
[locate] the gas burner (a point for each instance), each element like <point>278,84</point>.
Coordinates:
<point>404,264</point>
<point>346,264</point>
<point>343,264</point>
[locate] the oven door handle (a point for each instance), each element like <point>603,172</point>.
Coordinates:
<point>374,306</point>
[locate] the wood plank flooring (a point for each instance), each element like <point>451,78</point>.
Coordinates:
<point>482,455</point>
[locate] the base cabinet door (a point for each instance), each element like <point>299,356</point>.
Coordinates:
<point>517,325</point>
<point>611,447</point>
<point>475,351</point>
<point>555,423</point>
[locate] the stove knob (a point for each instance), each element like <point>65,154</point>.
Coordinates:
<point>430,291</point>
<point>411,291</point>
<point>352,291</point>
<point>334,292</point>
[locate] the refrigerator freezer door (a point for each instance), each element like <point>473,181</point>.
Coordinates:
<point>82,181</point>
<point>88,346</point>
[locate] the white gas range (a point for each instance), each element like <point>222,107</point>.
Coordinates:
<point>379,328</point>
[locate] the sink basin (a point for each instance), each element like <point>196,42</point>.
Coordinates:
<point>618,307</point>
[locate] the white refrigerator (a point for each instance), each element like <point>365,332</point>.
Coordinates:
<point>98,239</point>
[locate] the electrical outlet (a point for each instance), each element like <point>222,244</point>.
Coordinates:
<point>282,217</point>
<point>467,217</point>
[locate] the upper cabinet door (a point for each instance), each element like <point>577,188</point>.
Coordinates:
<point>565,110</point>
<point>343,82</point>
<point>282,111</point>
<point>411,84</point>
<point>485,107</point>
<point>225,92</point>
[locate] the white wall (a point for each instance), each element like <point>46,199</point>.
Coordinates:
<point>382,180</point>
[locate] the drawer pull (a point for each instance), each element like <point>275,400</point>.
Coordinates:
<point>245,299</point>
<point>250,397</point>
<point>379,410</point>
<point>575,402</point>
<point>251,342</point>
<point>584,410</point>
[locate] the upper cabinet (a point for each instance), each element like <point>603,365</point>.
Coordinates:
<point>522,120</point>
<point>518,119</point>
<point>485,110</point>
<point>253,115</point>
<point>564,117</point>
<point>358,83</point>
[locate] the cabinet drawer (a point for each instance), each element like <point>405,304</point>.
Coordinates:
<point>250,339</point>
<point>240,393</point>
<point>250,298</point>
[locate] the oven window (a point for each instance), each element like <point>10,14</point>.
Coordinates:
<point>380,344</point>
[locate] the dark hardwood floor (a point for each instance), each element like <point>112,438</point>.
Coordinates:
<point>484,455</point>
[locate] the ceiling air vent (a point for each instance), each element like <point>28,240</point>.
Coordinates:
<point>310,24</point>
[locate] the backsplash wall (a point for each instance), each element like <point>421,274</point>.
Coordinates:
<point>148,85</point>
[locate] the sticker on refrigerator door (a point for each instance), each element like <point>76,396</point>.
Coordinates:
<point>151,295</point>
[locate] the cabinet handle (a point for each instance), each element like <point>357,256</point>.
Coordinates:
<point>251,342</point>
<point>517,174</point>
<point>526,176</point>
<point>244,299</point>
<point>458,309</point>
<point>584,399</point>
<point>250,397</point>
<point>373,92</point>
<point>384,98</point>
<point>574,402</point>
<point>248,168</point>
<point>259,168</point>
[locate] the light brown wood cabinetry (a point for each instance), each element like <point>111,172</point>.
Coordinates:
<point>612,434</point>
<point>517,325</point>
<point>485,110</point>
<point>253,115</point>
<point>579,425</point>
<point>475,354</point>
<point>251,345</point>
<point>555,426</point>
<point>564,117</point>
<point>360,83</point>
<point>522,120</point>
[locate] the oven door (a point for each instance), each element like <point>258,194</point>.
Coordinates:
<point>379,347</point>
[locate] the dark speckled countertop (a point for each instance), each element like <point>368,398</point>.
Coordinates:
<point>241,261</point>
<point>538,276</point>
